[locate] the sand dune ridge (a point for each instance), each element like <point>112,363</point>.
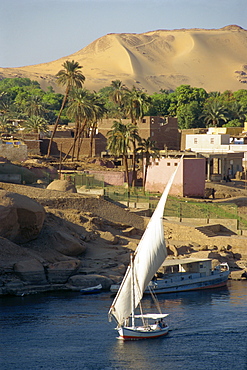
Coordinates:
<point>213,59</point>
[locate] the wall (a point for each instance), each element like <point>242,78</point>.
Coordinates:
<point>191,131</point>
<point>159,173</point>
<point>109,177</point>
<point>13,153</point>
<point>189,181</point>
<point>32,140</point>
<point>194,177</point>
<point>233,131</point>
<point>65,144</point>
<point>206,143</point>
<point>163,130</point>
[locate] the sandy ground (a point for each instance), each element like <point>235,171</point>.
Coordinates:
<point>212,59</point>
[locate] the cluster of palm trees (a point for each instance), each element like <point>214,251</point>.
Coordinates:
<point>124,140</point>
<point>132,103</point>
<point>86,108</point>
<point>216,112</point>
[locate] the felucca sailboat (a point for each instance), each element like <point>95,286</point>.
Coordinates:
<point>147,259</point>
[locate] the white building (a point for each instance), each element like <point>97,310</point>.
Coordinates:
<point>224,155</point>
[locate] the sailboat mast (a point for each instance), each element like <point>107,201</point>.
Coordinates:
<point>132,290</point>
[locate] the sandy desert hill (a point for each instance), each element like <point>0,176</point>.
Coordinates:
<point>214,59</point>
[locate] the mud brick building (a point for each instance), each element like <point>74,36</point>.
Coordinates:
<point>162,130</point>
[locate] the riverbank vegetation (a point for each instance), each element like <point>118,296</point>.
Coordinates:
<point>21,98</point>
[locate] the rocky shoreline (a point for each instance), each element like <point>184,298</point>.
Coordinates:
<point>59,241</point>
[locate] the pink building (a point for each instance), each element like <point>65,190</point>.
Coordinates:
<point>189,181</point>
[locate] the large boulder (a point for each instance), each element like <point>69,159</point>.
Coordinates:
<point>21,218</point>
<point>27,177</point>
<point>30,271</point>
<point>62,185</point>
<point>67,244</point>
<point>10,253</point>
<point>59,272</point>
<point>87,281</point>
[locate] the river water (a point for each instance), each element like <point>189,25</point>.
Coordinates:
<point>71,331</point>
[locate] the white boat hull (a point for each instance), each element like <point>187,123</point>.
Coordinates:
<point>185,282</point>
<point>141,332</point>
<point>193,283</point>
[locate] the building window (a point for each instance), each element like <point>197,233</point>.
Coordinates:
<point>212,140</point>
<point>144,120</point>
<point>175,164</point>
<point>168,164</point>
<point>195,140</point>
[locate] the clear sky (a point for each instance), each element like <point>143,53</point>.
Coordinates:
<point>40,31</point>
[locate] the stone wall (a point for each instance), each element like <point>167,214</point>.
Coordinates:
<point>109,177</point>
<point>13,153</point>
<point>64,144</point>
<point>32,140</point>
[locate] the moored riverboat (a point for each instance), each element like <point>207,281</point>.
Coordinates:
<point>180,275</point>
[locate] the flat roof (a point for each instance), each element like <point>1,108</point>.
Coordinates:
<point>183,261</point>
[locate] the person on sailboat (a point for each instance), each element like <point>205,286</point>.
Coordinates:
<point>162,324</point>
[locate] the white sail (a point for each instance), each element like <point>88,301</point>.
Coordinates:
<point>149,256</point>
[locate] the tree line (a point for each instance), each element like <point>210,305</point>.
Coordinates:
<point>24,100</point>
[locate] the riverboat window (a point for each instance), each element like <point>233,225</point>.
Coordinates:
<point>195,140</point>
<point>212,140</point>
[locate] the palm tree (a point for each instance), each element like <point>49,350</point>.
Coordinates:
<point>70,76</point>
<point>99,111</point>
<point>34,106</point>
<point>147,149</point>
<point>36,124</point>
<point>214,112</point>
<point>81,110</point>
<point>135,138</point>
<point>119,142</point>
<point>117,93</point>
<point>238,111</point>
<point>6,126</point>
<point>136,103</point>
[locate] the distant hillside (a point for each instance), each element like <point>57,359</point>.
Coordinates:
<point>164,59</point>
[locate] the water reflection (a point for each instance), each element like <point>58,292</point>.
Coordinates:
<point>139,354</point>
<point>200,297</point>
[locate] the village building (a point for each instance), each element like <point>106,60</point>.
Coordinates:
<point>163,130</point>
<point>224,157</point>
<point>189,181</point>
